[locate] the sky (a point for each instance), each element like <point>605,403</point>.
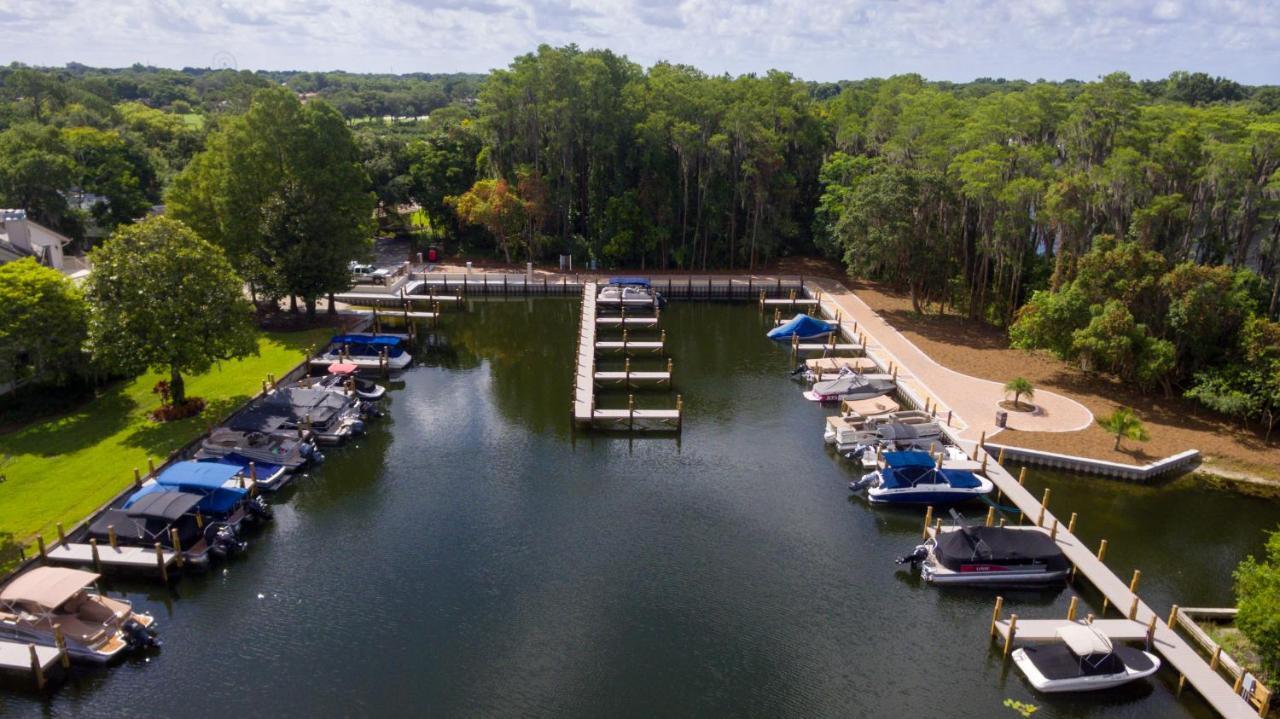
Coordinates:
<point>822,40</point>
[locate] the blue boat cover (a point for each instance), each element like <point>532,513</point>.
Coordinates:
<point>912,476</point>
<point>913,458</point>
<point>632,281</point>
<point>802,326</point>
<point>202,478</point>
<point>378,341</point>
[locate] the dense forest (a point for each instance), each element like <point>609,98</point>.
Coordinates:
<point>1130,226</point>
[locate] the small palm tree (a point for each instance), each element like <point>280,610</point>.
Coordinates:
<point>1020,386</point>
<point>1123,423</point>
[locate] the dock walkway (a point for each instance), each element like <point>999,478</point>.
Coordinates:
<point>1176,651</point>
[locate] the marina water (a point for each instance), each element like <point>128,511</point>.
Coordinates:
<point>472,555</point>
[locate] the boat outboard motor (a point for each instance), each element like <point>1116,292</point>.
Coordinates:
<point>140,637</point>
<point>867,480</point>
<point>859,451</point>
<point>917,556</point>
<point>258,507</point>
<point>224,542</point>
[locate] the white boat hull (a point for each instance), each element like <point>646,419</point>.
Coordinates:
<point>1098,682</point>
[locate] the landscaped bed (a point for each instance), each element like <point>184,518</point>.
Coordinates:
<point>1175,424</point>
<point>61,469</point>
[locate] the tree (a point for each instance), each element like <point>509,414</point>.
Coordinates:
<point>1020,386</point>
<point>161,297</point>
<point>35,168</point>
<point>493,205</point>
<point>1257,585</point>
<point>43,326</point>
<point>1123,422</point>
<point>282,191</point>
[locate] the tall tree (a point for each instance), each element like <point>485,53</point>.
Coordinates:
<point>43,326</point>
<point>160,297</point>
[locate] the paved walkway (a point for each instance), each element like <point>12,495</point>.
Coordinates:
<point>973,400</point>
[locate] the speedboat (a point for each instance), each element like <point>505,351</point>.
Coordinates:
<point>366,351</point>
<point>160,517</point>
<point>849,385</point>
<point>274,446</point>
<point>991,556</point>
<point>914,478</point>
<point>95,629</point>
<point>343,377</point>
<point>821,368</point>
<point>630,291</point>
<point>223,500</point>
<point>1085,660</point>
<point>801,326</point>
<point>866,454</point>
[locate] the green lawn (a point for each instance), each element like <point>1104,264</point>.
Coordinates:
<point>61,469</point>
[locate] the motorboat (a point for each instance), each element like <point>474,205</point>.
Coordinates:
<point>887,435</point>
<point>263,476</point>
<point>630,291</point>
<point>914,478</point>
<point>802,327</point>
<point>366,351</point>
<point>328,417</point>
<point>1083,660</point>
<point>224,500</point>
<point>868,455</point>
<point>837,426</point>
<point>991,556</point>
<point>276,446</point>
<point>343,377</point>
<point>159,518</point>
<point>849,385</point>
<point>95,629</point>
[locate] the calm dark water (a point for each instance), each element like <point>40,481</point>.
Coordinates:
<point>473,556</point>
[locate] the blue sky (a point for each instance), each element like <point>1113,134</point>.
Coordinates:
<point>815,39</point>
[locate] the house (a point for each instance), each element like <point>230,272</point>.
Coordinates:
<point>21,237</point>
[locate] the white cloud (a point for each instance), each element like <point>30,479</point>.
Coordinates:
<point>943,39</point>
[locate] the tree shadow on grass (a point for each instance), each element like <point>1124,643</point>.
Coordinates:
<point>160,439</point>
<point>92,423</point>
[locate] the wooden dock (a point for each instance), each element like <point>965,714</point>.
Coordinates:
<point>142,559</point>
<point>389,314</point>
<point>828,348</point>
<point>1178,654</point>
<point>647,323</point>
<point>36,659</point>
<point>790,302</point>
<point>1046,630</point>
<point>586,377</point>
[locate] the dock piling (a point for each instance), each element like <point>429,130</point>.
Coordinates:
<point>928,520</point>
<point>60,641</point>
<point>1071,524</point>
<point>62,537</point>
<point>1102,550</point>
<point>176,541</point>
<point>151,466</point>
<point>137,477</point>
<point>1133,608</point>
<point>111,535</point>
<point>1133,583</point>
<point>1008,639</point>
<point>1173,616</point>
<point>160,564</point>
<point>36,668</point>
<point>991,516</point>
<point>995,615</point>
<point>1044,505</point>
<point>93,551</point>
<point>1071,608</point>
<point>44,557</point>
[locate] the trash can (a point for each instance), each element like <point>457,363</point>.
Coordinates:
<point>1002,419</point>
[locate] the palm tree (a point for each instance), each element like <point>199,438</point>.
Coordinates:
<point>1124,422</point>
<point>1020,386</point>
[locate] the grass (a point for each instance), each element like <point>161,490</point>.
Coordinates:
<point>1240,647</point>
<point>63,468</point>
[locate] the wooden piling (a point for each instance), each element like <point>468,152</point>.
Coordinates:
<point>1173,616</point>
<point>111,535</point>
<point>44,557</point>
<point>995,615</point>
<point>1044,505</point>
<point>60,641</point>
<point>1008,639</point>
<point>1217,657</point>
<point>1151,628</point>
<point>1071,524</point>
<point>1053,531</point>
<point>176,541</point>
<point>137,477</point>
<point>1022,477</point>
<point>1133,583</point>
<point>93,550</point>
<point>1133,608</point>
<point>1071,608</point>
<point>160,564</point>
<point>991,516</point>
<point>62,537</point>
<point>35,667</point>
<point>928,520</point>
<point>1102,550</point>
<point>151,466</point>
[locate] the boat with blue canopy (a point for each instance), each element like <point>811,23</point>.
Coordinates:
<point>914,477</point>
<point>803,327</point>
<point>216,485</point>
<point>365,351</point>
<point>266,477</point>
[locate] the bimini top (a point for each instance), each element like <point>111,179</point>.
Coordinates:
<point>165,505</point>
<point>1084,640</point>
<point>343,368</point>
<point>999,545</point>
<point>213,502</point>
<point>630,281</point>
<point>374,340</point>
<point>802,326</point>
<point>241,464</point>
<point>914,475</point>
<point>193,475</point>
<point>47,587</point>
<point>908,459</point>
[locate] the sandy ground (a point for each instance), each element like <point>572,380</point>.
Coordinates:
<point>1175,424</point>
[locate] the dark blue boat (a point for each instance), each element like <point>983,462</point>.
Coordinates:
<point>914,478</point>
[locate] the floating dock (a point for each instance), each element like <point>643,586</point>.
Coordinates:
<point>647,323</point>
<point>36,659</point>
<point>1046,630</point>
<point>586,378</point>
